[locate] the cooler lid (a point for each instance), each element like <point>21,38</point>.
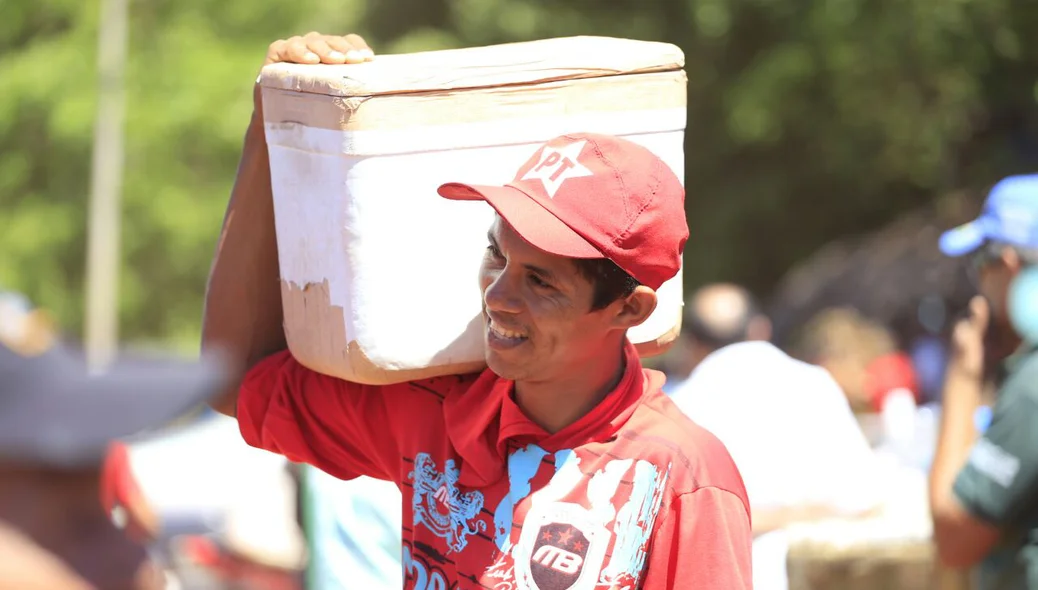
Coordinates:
<point>529,62</point>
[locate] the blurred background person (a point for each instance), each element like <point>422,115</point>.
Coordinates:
<point>984,489</point>
<point>222,514</point>
<point>714,316</point>
<point>791,432</point>
<point>56,422</point>
<point>845,343</point>
<point>879,380</point>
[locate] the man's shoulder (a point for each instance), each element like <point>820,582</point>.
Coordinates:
<point>443,385</point>
<point>284,363</point>
<point>1022,378</point>
<point>1018,390</point>
<point>697,458</point>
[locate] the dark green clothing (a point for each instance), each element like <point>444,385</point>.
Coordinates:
<point>999,483</point>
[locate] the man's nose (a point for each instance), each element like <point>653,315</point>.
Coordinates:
<point>502,294</point>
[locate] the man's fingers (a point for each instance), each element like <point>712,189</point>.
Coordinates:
<point>275,51</point>
<point>979,312</point>
<point>314,48</point>
<point>297,50</point>
<point>351,53</point>
<point>361,46</point>
<point>325,52</point>
<point>357,41</point>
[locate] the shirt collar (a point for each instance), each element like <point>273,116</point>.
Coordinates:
<point>484,422</point>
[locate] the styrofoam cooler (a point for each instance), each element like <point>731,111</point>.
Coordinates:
<point>379,273</point>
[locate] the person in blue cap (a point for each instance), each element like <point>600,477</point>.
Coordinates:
<point>984,488</point>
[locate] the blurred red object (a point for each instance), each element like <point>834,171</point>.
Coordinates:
<point>233,570</point>
<point>122,499</point>
<point>889,373</point>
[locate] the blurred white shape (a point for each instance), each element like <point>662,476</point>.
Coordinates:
<point>355,532</point>
<point>203,478</point>
<point>791,433</point>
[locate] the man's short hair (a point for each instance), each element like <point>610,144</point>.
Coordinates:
<point>610,282</point>
<point>841,333</point>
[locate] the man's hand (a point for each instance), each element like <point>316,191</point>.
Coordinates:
<point>315,48</point>
<point>312,48</point>
<point>962,539</point>
<point>967,342</point>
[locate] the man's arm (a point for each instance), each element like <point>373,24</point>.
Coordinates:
<point>704,542</point>
<point>766,520</point>
<point>243,314</point>
<point>997,486</point>
<point>340,427</point>
<point>961,538</point>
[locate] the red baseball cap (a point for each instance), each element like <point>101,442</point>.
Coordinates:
<point>586,195</point>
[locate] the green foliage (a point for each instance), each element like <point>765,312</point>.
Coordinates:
<point>807,121</point>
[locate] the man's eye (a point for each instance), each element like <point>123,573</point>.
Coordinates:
<point>493,251</point>
<point>536,280</point>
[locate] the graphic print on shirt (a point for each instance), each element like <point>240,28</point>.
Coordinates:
<point>562,545</point>
<point>555,545</point>
<point>440,507</point>
<point>423,571</point>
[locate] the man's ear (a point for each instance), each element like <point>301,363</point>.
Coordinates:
<point>635,308</point>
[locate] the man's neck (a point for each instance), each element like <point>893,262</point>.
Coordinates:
<point>555,404</point>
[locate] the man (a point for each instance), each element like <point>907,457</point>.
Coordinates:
<point>984,491</point>
<point>716,316</point>
<point>786,423</point>
<point>560,466</point>
<point>55,424</point>
<point>845,343</point>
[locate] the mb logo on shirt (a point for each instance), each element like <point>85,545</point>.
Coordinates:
<point>561,547</point>
<point>559,559</point>
<point>556,165</point>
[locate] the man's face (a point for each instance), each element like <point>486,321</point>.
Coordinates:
<point>993,272</point>
<point>992,276</point>
<point>538,323</point>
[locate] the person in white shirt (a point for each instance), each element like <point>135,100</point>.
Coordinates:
<point>715,316</point>
<point>794,438</point>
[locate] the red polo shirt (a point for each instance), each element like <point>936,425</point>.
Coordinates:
<point>632,495</point>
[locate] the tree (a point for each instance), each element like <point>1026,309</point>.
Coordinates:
<point>807,121</point>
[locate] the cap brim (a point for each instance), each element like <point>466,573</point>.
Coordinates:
<point>56,413</point>
<point>963,239</point>
<point>528,218</point>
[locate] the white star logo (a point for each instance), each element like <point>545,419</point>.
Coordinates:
<point>558,164</point>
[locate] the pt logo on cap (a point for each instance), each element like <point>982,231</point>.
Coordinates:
<point>556,165</point>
